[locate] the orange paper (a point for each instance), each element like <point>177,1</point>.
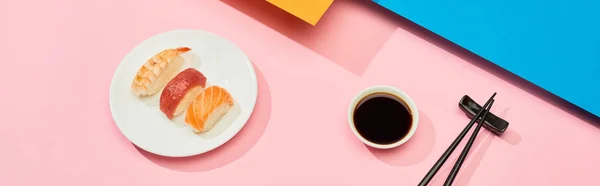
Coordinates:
<point>310,11</point>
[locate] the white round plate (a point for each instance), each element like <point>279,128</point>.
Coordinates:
<point>140,119</point>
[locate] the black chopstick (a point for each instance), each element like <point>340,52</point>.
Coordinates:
<point>452,146</point>
<point>465,151</point>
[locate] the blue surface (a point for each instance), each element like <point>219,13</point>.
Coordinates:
<point>554,44</point>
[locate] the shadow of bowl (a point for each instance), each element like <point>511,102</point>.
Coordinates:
<point>414,150</point>
<point>234,148</point>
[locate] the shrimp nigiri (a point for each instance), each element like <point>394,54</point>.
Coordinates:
<point>158,71</point>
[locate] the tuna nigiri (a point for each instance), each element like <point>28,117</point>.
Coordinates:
<point>181,91</point>
<point>208,108</point>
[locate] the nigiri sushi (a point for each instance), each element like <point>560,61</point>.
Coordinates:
<point>157,71</point>
<point>208,108</point>
<point>181,91</point>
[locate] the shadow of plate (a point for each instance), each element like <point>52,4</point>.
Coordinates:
<point>234,148</point>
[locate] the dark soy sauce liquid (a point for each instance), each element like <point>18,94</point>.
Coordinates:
<point>382,118</point>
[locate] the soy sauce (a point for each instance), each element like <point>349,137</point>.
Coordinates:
<point>382,118</point>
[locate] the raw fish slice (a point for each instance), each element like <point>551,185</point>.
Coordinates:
<point>208,108</point>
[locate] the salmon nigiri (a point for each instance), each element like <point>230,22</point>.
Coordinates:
<point>208,108</point>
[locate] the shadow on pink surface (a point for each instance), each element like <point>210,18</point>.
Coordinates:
<point>422,143</point>
<point>339,36</point>
<point>481,145</point>
<point>510,136</point>
<point>476,154</point>
<point>234,148</point>
<point>414,150</point>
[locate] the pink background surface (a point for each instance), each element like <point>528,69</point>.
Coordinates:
<point>59,56</point>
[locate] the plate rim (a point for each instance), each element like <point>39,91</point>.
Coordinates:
<point>175,31</point>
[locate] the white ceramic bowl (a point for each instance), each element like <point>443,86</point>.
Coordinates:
<point>390,90</point>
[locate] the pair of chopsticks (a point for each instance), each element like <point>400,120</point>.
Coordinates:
<point>463,155</point>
